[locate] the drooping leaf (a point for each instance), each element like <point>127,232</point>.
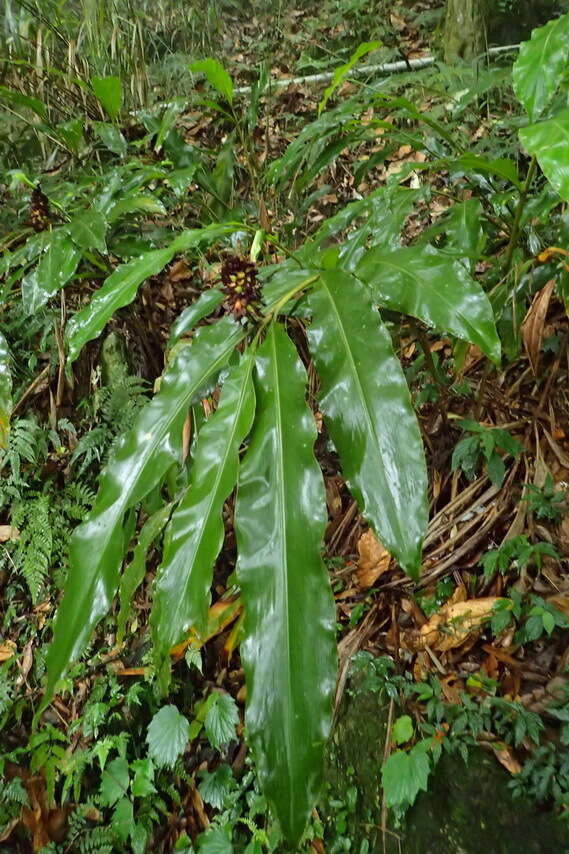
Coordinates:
<point>196,531</point>
<point>5,392</point>
<point>549,142</point>
<point>404,775</point>
<point>54,270</point>
<point>221,719</point>
<point>367,405</point>
<point>134,572</point>
<point>426,283</point>
<point>215,786</point>
<point>216,75</point>
<point>138,464</point>
<point>136,204</point>
<point>108,91</point>
<point>111,137</point>
<point>539,67</point>
<point>289,648</point>
<point>204,305</point>
<point>341,72</point>
<point>88,229</point>
<point>168,734</point>
<point>21,100</point>
<point>122,285</point>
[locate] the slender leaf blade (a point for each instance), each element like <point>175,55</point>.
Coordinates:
<point>549,142</point>
<point>122,285</point>
<point>216,75</point>
<point>138,464</point>
<point>5,392</point>
<point>368,410</point>
<point>428,284</point>
<point>289,647</point>
<point>56,267</point>
<point>195,533</point>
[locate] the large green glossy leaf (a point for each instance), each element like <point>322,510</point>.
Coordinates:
<point>195,533</point>
<point>383,214</point>
<point>289,648</point>
<point>426,283</point>
<point>138,464</point>
<point>368,410</point>
<point>122,285</point>
<point>549,142</point>
<point>54,270</point>
<point>88,230</point>
<point>216,75</point>
<point>108,91</point>
<point>207,302</point>
<point>540,65</point>
<point>5,392</point>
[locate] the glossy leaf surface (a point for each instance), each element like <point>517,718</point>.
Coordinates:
<point>88,229</point>
<point>368,410</point>
<point>138,464</point>
<point>540,65</point>
<point>5,392</point>
<point>289,651</point>
<point>196,531</point>
<point>428,284</point>
<point>549,141</point>
<point>216,75</point>
<point>54,270</point>
<point>122,286</point>
<point>207,302</point>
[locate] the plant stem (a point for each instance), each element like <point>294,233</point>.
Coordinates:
<point>519,211</point>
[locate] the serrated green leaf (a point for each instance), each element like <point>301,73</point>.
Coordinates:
<point>88,229</point>
<point>428,284</point>
<point>196,531</point>
<point>549,142</point>
<point>368,410</point>
<point>216,75</point>
<point>168,734</point>
<point>108,91</point>
<point>548,622</point>
<point>539,67</point>
<point>54,270</point>
<point>115,781</point>
<point>402,730</point>
<point>216,785</point>
<point>143,782</point>
<point>134,572</point>
<point>5,392</point>
<point>221,719</point>
<point>214,841</point>
<point>122,285</point>
<point>137,465</point>
<point>289,650</point>
<point>404,775</point>
<point>123,819</point>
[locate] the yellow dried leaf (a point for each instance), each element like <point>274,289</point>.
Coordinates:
<point>374,559</point>
<point>7,650</point>
<point>456,623</point>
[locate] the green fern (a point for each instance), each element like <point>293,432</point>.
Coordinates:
<point>34,551</point>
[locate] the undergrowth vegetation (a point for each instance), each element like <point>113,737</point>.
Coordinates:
<point>245,336</point>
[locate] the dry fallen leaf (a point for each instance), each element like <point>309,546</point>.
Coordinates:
<point>374,559</point>
<point>8,532</point>
<point>7,650</point>
<point>505,758</point>
<point>456,623</point>
<point>532,327</point>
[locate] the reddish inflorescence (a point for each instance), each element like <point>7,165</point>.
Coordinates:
<point>239,279</point>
